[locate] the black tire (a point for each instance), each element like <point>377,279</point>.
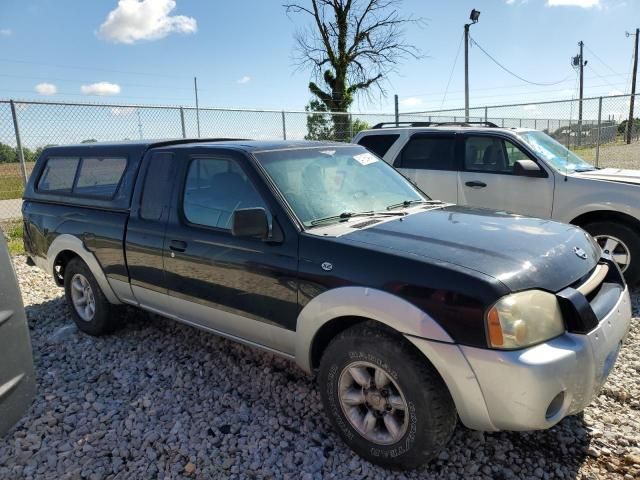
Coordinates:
<point>629,237</point>
<point>105,319</point>
<point>431,414</point>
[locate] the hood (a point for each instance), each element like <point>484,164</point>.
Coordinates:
<point>612,175</point>
<point>521,252</point>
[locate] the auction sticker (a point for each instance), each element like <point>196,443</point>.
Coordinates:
<point>365,158</point>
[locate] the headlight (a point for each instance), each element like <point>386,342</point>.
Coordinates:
<point>524,319</point>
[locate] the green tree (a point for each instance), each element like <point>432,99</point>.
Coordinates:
<point>351,46</point>
<point>7,154</point>
<point>622,126</point>
<point>319,125</point>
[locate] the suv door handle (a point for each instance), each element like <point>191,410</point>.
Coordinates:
<point>177,245</point>
<point>476,184</point>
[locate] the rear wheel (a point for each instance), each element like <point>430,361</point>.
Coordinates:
<point>622,244</point>
<point>91,311</point>
<point>386,401</point>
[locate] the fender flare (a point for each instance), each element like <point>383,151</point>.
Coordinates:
<point>371,303</point>
<point>74,244</point>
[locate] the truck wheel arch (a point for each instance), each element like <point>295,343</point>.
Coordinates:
<point>65,247</point>
<point>334,310</point>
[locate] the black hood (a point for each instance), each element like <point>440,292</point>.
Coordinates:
<point>521,252</point>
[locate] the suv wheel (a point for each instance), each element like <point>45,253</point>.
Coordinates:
<point>622,243</point>
<point>91,311</point>
<point>387,403</point>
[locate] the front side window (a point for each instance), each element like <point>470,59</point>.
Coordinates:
<point>428,153</point>
<point>58,175</point>
<point>100,177</point>
<point>323,182</point>
<point>214,189</point>
<point>491,154</point>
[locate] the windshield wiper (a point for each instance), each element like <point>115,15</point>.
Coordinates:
<point>347,215</point>
<point>408,203</point>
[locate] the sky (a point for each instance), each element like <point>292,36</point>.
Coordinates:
<point>147,52</point>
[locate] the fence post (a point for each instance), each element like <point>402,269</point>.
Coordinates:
<point>350,127</point>
<point>184,130</point>
<point>486,116</point>
<point>19,151</point>
<point>599,127</point>
<point>284,126</point>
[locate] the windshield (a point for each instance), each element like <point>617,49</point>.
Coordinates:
<point>336,181</point>
<point>555,153</point>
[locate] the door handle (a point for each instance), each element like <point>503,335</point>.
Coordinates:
<point>177,245</point>
<point>476,184</point>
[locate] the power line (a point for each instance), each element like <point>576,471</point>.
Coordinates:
<point>473,41</point>
<point>452,69</point>
<point>600,76</point>
<point>600,60</point>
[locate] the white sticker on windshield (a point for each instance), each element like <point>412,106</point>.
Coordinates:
<point>365,158</point>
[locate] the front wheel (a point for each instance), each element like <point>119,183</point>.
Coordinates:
<point>622,244</point>
<point>386,401</point>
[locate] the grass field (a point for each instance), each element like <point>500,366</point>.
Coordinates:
<point>13,233</point>
<point>11,185</point>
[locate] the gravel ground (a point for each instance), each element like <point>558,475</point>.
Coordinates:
<point>163,400</point>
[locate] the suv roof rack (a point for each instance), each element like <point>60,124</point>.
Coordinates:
<point>434,124</point>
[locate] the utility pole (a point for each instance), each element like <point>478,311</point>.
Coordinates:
<point>195,86</point>
<point>475,15</point>
<point>633,87</point>
<point>578,61</point>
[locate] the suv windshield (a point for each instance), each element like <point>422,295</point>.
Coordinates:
<point>554,152</point>
<point>333,183</point>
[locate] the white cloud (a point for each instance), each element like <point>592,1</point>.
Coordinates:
<point>615,91</point>
<point>46,89</point>
<point>530,107</point>
<point>243,80</point>
<point>134,20</point>
<point>573,3</point>
<point>101,88</point>
<point>411,101</point>
<point>6,32</point>
<point>122,111</point>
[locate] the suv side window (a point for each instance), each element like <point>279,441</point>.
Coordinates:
<point>214,189</point>
<point>491,154</point>
<point>379,144</point>
<point>432,152</point>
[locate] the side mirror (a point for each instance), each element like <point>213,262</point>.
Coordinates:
<point>250,222</point>
<point>528,168</point>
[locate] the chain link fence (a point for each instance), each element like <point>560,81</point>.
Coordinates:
<point>26,127</point>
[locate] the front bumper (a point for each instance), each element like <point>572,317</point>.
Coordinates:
<point>536,387</point>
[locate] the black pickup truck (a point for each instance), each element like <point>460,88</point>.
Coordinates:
<point>413,312</point>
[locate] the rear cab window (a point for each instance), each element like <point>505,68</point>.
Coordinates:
<point>378,144</point>
<point>97,177</point>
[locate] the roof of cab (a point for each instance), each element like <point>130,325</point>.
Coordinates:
<point>141,146</point>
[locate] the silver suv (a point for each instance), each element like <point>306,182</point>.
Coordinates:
<point>521,170</point>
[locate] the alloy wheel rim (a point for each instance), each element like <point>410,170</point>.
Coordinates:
<point>84,301</point>
<point>616,249</point>
<point>373,403</point>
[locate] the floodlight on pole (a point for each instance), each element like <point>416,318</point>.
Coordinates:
<point>474,17</point>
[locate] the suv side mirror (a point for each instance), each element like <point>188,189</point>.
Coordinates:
<point>528,168</point>
<point>250,222</point>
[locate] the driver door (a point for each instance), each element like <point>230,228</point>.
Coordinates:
<point>487,178</point>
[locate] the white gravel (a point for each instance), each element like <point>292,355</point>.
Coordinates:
<point>162,400</point>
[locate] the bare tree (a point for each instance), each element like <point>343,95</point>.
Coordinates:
<point>351,45</point>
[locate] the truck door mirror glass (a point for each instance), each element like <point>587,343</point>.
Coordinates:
<point>250,222</point>
<point>528,168</point>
